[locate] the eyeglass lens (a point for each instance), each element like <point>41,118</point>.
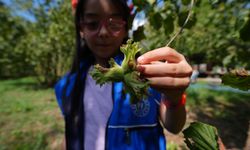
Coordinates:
<point>112,25</point>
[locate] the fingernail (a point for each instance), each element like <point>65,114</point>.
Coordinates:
<point>140,59</point>
<point>140,68</point>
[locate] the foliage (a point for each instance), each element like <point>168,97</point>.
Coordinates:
<point>127,73</point>
<point>43,46</point>
<point>12,59</point>
<point>51,42</point>
<point>239,79</point>
<point>163,20</point>
<point>217,32</point>
<point>201,136</point>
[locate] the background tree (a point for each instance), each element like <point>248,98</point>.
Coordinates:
<point>217,32</point>
<point>12,59</point>
<point>41,47</point>
<point>52,41</point>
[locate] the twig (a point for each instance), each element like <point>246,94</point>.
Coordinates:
<point>180,31</point>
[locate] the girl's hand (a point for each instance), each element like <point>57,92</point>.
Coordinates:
<point>167,70</point>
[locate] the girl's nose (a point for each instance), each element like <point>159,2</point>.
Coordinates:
<point>103,31</point>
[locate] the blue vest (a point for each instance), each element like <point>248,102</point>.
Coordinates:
<point>130,126</point>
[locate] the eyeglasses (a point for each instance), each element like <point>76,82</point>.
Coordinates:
<point>114,26</point>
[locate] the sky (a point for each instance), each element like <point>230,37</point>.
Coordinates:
<point>139,20</point>
<point>17,11</point>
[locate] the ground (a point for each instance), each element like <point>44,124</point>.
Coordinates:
<point>30,117</point>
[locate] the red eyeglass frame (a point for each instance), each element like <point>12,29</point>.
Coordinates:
<point>86,26</point>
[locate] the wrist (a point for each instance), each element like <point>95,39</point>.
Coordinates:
<point>173,105</point>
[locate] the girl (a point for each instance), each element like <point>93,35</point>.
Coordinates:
<point>98,118</point>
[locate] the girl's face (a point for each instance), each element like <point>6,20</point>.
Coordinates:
<point>102,28</point>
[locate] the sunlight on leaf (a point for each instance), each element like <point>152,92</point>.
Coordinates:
<point>239,79</point>
<point>201,136</point>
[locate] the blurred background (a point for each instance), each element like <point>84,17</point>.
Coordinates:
<point>37,44</point>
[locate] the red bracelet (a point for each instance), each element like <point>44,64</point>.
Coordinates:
<point>171,105</point>
<point>74,3</point>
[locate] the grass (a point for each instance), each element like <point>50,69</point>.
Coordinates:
<point>30,118</point>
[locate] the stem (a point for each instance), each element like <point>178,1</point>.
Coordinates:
<point>180,31</point>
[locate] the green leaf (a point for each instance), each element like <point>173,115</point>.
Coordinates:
<point>214,1</point>
<point>129,50</point>
<point>197,2</point>
<point>155,20</point>
<point>140,4</point>
<point>201,136</point>
<point>139,34</point>
<point>131,20</point>
<point>239,79</point>
<point>136,86</point>
<point>240,22</point>
<point>183,16</point>
<point>245,30</point>
<point>168,25</point>
<point>104,75</point>
<point>185,2</point>
<point>151,2</point>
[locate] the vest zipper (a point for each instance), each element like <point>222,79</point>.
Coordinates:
<point>127,134</point>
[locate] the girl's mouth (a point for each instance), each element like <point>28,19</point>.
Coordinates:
<point>104,45</point>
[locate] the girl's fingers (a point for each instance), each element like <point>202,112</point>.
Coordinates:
<point>181,69</point>
<point>169,82</point>
<point>164,53</point>
<point>165,69</point>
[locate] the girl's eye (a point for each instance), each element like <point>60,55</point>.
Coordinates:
<point>116,25</point>
<point>92,25</point>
